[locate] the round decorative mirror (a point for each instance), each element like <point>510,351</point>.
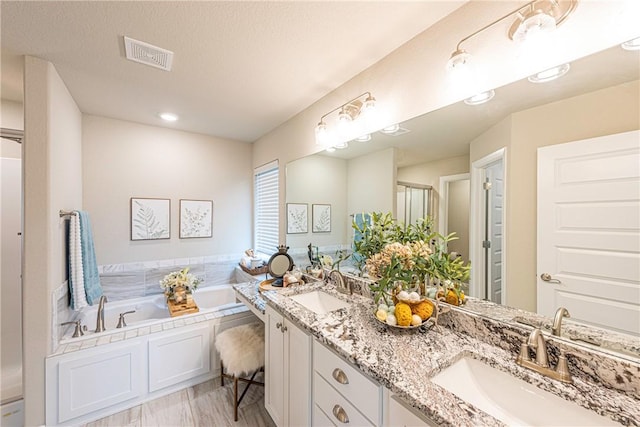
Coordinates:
<point>279,263</point>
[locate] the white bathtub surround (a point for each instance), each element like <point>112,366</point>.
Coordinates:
<point>60,312</point>
<point>102,373</point>
<point>139,279</point>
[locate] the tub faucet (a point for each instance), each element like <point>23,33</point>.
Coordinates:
<point>556,329</point>
<point>100,319</point>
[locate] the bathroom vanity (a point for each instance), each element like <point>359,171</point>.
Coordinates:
<point>360,370</point>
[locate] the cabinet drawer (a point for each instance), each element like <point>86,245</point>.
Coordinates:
<point>320,419</point>
<point>363,393</point>
<point>327,399</point>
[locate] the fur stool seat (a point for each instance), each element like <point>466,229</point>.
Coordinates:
<point>241,352</point>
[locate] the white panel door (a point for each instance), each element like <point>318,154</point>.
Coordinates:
<point>495,176</point>
<point>589,230</point>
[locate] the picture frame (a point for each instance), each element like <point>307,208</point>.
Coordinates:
<point>150,218</point>
<point>321,218</point>
<point>297,218</point>
<point>196,219</point>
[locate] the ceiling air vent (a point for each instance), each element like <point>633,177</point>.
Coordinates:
<point>147,54</point>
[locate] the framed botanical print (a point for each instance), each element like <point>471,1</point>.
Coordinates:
<point>297,218</point>
<point>321,218</point>
<point>196,218</point>
<point>150,218</point>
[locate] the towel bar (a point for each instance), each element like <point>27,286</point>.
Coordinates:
<point>65,213</point>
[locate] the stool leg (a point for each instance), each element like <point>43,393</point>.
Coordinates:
<point>235,399</point>
<point>221,374</point>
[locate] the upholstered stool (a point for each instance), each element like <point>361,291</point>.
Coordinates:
<point>242,352</point>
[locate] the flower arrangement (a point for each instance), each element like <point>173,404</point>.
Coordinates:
<point>407,256</point>
<point>178,284</point>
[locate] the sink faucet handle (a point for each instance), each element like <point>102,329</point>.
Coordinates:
<point>524,352</point>
<point>562,368</point>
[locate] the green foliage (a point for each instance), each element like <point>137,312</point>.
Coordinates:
<point>383,229</point>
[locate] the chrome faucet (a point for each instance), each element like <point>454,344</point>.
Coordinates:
<point>541,364</point>
<point>556,329</point>
<point>100,319</point>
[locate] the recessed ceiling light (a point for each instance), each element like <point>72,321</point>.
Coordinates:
<point>480,98</point>
<point>631,44</point>
<point>364,138</point>
<point>550,74</point>
<point>330,149</point>
<point>169,117</point>
<point>391,128</point>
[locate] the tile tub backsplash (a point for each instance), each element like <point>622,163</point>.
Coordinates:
<point>139,279</point>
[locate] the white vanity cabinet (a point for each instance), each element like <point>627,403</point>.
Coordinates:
<point>341,393</point>
<point>287,371</point>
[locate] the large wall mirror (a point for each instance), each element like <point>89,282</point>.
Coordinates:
<point>600,95</point>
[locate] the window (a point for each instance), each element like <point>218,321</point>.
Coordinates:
<point>266,214</point>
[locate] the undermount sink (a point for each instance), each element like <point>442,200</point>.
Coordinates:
<point>319,302</point>
<point>512,400</point>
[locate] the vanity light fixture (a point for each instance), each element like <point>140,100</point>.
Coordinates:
<point>633,44</point>
<point>480,98</point>
<point>550,74</point>
<point>534,17</point>
<point>168,117</point>
<point>348,113</point>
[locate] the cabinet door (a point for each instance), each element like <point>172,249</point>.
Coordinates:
<point>274,398</point>
<point>179,357</point>
<point>95,379</point>
<point>402,415</point>
<point>299,372</point>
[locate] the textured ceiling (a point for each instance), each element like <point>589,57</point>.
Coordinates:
<point>240,69</point>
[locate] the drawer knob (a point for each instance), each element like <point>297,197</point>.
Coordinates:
<point>339,375</point>
<point>340,414</point>
<point>278,325</point>
<point>284,328</point>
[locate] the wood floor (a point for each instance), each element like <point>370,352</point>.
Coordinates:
<point>207,404</point>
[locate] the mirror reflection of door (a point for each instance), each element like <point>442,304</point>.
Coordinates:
<point>487,235</point>
<point>413,202</point>
<point>493,187</point>
<point>588,230</point>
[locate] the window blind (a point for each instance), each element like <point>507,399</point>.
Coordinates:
<point>266,214</point>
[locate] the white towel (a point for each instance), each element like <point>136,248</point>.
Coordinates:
<point>76,273</point>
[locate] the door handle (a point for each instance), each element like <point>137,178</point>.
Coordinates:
<point>547,278</point>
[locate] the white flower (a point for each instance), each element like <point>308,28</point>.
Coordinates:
<point>180,278</point>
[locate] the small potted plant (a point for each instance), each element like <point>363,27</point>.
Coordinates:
<point>178,289</point>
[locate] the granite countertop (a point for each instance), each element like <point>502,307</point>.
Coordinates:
<point>405,360</point>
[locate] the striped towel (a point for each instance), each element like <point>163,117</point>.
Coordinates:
<point>76,273</point>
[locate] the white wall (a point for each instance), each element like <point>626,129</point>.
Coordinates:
<point>52,181</point>
<point>371,183</point>
<point>321,180</point>
<point>124,159</point>
<point>603,112</point>
<point>412,80</point>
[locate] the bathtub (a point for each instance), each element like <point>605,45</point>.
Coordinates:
<point>153,309</point>
<point>154,355</point>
